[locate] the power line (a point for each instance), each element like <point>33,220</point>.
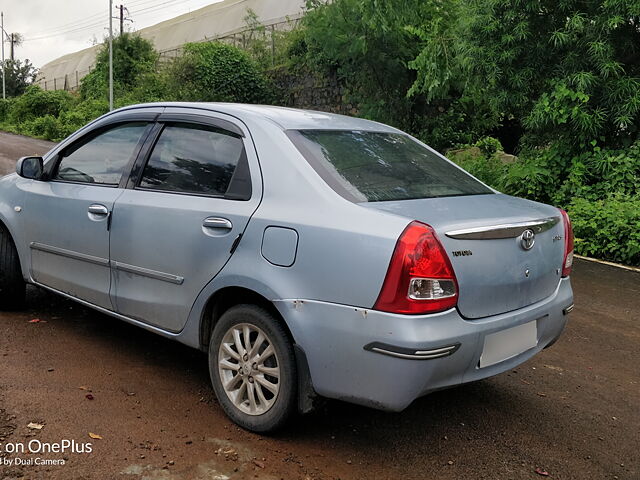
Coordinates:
<point>79,26</point>
<point>137,3</point>
<point>74,24</point>
<point>75,30</point>
<point>87,19</point>
<point>90,20</point>
<point>155,7</point>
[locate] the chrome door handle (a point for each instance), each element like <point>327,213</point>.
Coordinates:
<point>98,209</point>
<point>217,222</point>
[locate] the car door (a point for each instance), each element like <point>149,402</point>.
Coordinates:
<point>173,230</point>
<point>67,214</point>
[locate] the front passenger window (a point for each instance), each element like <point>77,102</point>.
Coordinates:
<point>103,158</point>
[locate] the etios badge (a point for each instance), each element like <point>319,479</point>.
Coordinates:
<point>527,239</point>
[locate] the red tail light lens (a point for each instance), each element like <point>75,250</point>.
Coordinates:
<point>567,262</point>
<point>420,278</point>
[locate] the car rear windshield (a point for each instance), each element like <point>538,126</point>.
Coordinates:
<point>365,166</point>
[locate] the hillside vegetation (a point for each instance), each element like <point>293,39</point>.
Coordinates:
<point>555,82</point>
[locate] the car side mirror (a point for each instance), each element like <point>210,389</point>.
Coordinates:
<point>30,167</point>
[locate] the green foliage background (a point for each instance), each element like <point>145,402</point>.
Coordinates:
<point>556,82</point>
<point>215,72</point>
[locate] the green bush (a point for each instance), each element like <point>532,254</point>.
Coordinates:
<point>216,72</point>
<point>487,168</point>
<point>83,113</point>
<point>150,87</point>
<point>607,229</point>
<point>39,103</point>
<point>61,114</point>
<point>597,173</point>
<point>532,176</point>
<point>5,107</point>
<point>47,127</point>
<point>446,129</point>
<point>489,146</point>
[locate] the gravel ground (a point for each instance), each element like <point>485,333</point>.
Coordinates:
<point>572,412</point>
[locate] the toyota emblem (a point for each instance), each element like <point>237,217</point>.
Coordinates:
<point>527,239</point>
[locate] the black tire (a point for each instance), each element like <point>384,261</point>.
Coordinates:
<point>12,285</point>
<point>285,404</point>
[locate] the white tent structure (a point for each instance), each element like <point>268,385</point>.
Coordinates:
<point>219,20</point>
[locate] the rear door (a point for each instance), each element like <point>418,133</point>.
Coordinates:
<point>188,202</point>
<point>67,215</point>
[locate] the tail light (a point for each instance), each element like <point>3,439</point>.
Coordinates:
<point>420,278</point>
<point>567,262</point>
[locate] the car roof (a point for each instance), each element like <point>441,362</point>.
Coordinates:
<point>286,118</point>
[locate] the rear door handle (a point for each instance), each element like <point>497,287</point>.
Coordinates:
<point>217,222</point>
<point>97,209</point>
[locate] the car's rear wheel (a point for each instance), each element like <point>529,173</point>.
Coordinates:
<point>12,285</point>
<point>252,367</point>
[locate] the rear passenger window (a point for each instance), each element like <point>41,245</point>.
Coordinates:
<point>193,159</point>
<point>102,158</point>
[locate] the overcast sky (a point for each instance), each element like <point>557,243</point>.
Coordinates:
<point>54,28</point>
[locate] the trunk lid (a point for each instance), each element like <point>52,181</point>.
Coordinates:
<point>482,235</point>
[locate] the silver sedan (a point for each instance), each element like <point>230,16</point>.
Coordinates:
<point>310,254</point>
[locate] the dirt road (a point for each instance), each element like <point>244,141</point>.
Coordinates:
<point>13,147</point>
<point>573,411</point>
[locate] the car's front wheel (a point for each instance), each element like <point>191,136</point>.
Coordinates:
<point>252,367</point>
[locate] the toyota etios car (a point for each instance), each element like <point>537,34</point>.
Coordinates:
<point>308,253</point>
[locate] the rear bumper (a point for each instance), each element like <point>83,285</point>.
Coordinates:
<point>386,361</point>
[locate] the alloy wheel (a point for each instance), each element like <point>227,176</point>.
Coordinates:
<point>249,368</point>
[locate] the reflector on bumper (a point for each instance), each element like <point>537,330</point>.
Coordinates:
<point>411,354</point>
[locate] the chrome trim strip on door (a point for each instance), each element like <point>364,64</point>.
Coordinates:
<point>146,326</point>
<point>69,254</point>
<point>507,230</point>
<point>146,272</point>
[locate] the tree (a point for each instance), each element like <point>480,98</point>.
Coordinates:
<point>567,70</point>
<point>399,63</point>
<point>133,57</point>
<point>366,44</point>
<point>19,75</point>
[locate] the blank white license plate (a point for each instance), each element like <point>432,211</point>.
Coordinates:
<point>508,343</point>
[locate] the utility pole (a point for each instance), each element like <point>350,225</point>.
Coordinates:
<point>121,18</point>
<point>110,55</point>
<point>2,34</point>
<point>12,39</point>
